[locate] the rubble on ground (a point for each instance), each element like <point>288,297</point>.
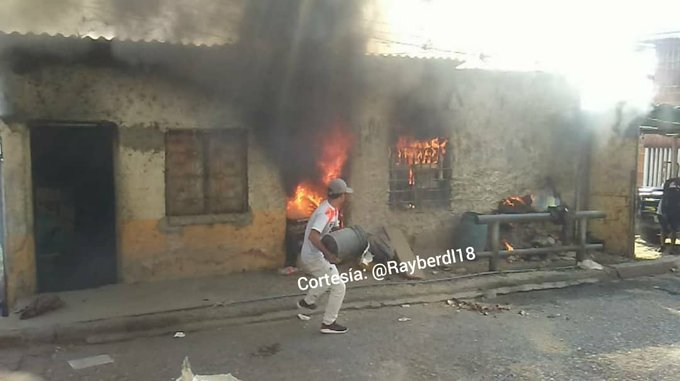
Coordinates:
<point>40,305</point>
<point>484,309</point>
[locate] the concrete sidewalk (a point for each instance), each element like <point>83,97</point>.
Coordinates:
<point>123,311</point>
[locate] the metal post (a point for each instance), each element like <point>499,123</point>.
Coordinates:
<point>3,240</point>
<point>674,157</point>
<point>568,229</point>
<point>495,245</point>
<point>583,229</point>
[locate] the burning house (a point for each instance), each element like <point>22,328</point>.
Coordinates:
<point>164,153</point>
<point>124,176</point>
<point>418,176</point>
<point>207,160</point>
<point>444,141</point>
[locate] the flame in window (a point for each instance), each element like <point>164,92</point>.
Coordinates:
<point>412,152</point>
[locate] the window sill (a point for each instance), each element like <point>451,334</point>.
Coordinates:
<point>239,219</point>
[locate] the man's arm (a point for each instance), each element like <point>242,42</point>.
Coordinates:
<point>315,239</point>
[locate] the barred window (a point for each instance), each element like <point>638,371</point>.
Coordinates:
<point>420,175</point>
<point>205,172</point>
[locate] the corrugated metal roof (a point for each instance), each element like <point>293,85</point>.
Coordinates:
<point>663,119</point>
<point>28,38</point>
<point>184,22</point>
<point>661,37</point>
<point>383,48</point>
<point>187,42</point>
<point>420,56</point>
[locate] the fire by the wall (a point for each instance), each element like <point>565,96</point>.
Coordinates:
<point>516,204</point>
<point>335,146</point>
<point>412,152</point>
<point>303,202</point>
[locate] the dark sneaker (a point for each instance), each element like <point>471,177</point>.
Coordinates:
<point>333,328</point>
<point>302,304</point>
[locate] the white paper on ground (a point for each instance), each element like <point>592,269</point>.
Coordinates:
<point>188,375</point>
<point>90,361</point>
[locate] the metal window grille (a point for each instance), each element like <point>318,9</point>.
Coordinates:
<point>419,186</point>
<point>657,166</point>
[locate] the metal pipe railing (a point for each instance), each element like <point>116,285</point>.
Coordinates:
<point>539,250</point>
<point>531,217</point>
<point>494,221</point>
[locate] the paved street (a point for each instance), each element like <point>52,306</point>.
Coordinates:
<point>615,331</point>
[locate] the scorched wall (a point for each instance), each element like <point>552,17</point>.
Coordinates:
<point>143,106</point>
<point>508,132</point>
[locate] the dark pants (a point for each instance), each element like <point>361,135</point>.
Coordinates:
<point>670,224</point>
<point>293,248</point>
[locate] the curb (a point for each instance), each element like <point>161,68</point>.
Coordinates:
<point>647,268</point>
<point>157,324</point>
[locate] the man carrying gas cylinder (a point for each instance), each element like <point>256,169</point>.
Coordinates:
<point>320,262</point>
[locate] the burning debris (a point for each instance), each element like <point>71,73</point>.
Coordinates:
<point>309,194</point>
<point>516,205</point>
<point>529,235</point>
<point>302,204</point>
<point>532,234</point>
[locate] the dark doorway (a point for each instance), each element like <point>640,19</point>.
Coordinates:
<point>74,205</point>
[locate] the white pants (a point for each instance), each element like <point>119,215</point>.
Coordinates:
<point>319,268</point>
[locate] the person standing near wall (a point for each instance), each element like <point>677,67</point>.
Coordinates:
<point>319,261</point>
<point>669,211</point>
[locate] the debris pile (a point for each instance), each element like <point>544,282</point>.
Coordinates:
<point>40,305</point>
<point>476,307</point>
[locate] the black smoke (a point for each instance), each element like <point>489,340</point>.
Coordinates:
<point>293,72</point>
<point>302,76</point>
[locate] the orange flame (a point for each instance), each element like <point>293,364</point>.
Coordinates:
<point>412,152</point>
<point>303,202</point>
<point>334,152</point>
<point>514,201</point>
<point>507,245</point>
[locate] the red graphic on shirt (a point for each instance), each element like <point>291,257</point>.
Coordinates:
<point>331,213</point>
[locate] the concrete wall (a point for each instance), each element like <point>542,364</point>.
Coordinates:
<point>18,210</point>
<point>143,106</point>
<point>508,132</point>
<point>613,178</point>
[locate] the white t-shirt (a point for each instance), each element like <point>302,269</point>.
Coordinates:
<point>324,218</point>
